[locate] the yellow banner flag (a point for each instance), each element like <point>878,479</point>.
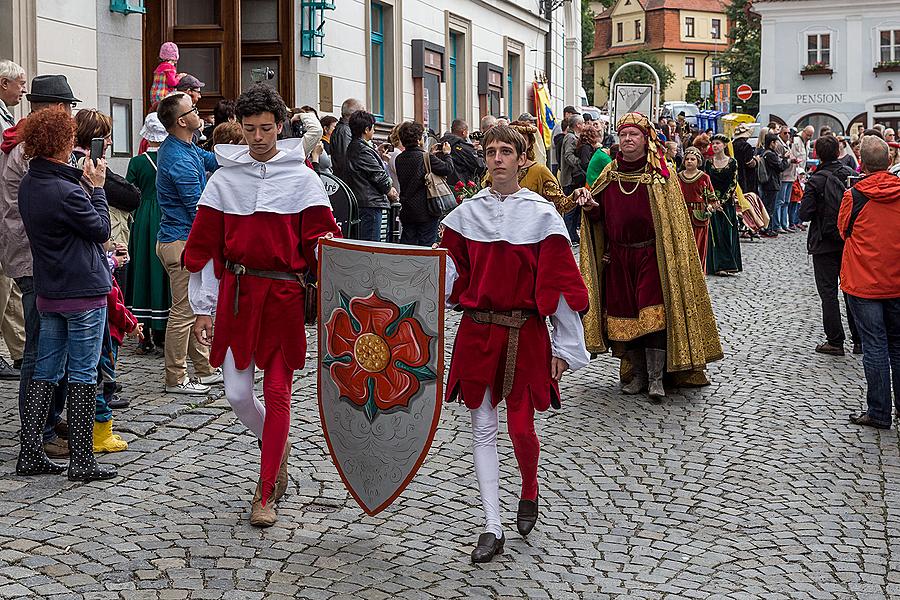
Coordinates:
<point>543,112</point>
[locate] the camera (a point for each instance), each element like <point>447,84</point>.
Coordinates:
<point>476,136</point>
<point>261,74</point>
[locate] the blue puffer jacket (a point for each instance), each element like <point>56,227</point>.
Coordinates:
<point>66,228</point>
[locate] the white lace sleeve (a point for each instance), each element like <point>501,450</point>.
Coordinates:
<point>203,290</point>
<point>567,338</point>
<point>450,277</point>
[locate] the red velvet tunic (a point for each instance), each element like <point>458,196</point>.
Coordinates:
<point>270,316</point>
<point>502,276</point>
<point>633,298</point>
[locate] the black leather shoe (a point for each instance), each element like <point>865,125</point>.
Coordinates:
<point>857,348</point>
<point>865,419</point>
<point>527,515</point>
<point>488,546</point>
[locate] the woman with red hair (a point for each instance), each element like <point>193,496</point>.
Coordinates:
<point>66,227</point>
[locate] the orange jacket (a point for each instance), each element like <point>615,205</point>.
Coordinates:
<point>871,264</point>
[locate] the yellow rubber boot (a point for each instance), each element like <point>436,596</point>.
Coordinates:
<point>105,440</point>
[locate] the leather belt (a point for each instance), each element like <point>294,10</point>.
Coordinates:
<point>240,270</point>
<point>644,244</point>
<point>513,320</point>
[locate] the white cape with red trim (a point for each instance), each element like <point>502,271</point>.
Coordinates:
<point>521,218</point>
<point>282,185</point>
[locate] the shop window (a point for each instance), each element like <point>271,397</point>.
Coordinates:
<point>889,45</point>
<point>689,27</point>
<point>818,49</point>
<point>690,66</point>
<point>716,29</point>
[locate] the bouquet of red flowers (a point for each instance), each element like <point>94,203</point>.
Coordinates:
<point>466,190</point>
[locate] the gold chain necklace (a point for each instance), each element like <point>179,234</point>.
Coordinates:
<point>636,186</point>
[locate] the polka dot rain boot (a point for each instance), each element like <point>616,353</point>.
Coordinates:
<point>82,398</point>
<point>32,458</point>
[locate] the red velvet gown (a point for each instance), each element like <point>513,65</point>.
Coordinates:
<point>270,315</point>
<point>633,297</point>
<point>502,276</point>
<point>697,194</point>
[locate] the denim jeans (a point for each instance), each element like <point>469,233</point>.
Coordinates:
<point>794,213</point>
<point>419,234</point>
<point>370,220</point>
<point>76,336</point>
<point>29,358</point>
<point>106,377</point>
<point>878,322</point>
<point>781,204</point>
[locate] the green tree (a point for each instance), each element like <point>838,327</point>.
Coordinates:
<point>742,57</point>
<point>692,93</point>
<point>636,74</point>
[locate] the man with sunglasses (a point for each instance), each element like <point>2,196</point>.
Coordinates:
<point>180,179</point>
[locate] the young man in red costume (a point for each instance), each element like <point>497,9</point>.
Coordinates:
<point>511,267</point>
<point>252,242</point>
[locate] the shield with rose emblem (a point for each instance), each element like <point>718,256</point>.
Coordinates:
<point>381,362</point>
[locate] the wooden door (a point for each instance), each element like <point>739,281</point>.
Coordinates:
<point>207,33</point>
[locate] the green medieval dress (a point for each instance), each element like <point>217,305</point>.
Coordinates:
<point>148,294</point>
<point>724,253</point>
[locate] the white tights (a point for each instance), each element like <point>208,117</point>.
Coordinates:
<point>485,423</point>
<point>239,393</point>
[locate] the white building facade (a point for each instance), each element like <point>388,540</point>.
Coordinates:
<point>406,59</point>
<point>830,62</point>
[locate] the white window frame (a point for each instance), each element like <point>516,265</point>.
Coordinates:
<point>895,50</point>
<point>832,47</point>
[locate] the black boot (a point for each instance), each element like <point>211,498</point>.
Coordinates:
<point>488,546</point>
<point>82,399</point>
<point>527,515</point>
<point>32,457</point>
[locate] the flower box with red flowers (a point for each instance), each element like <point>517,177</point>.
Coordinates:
<point>818,68</point>
<point>887,66</point>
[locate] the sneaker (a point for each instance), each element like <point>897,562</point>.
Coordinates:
<point>8,371</point>
<point>212,378</point>
<point>117,402</point>
<point>189,387</point>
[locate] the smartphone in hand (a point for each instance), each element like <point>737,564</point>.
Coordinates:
<point>97,147</point>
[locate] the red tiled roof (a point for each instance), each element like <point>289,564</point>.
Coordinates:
<point>698,5</point>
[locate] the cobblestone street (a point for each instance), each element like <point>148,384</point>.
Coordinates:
<point>754,487</point>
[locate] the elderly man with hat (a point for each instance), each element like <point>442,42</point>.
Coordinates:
<point>190,85</point>
<point>47,91</point>
<point>649,301</point>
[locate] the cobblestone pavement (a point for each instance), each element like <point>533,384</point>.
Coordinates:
<point>755,487</point>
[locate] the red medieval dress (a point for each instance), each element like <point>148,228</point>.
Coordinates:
<point>698,194</point>
<point>503,275</point>
<point>633,296</point>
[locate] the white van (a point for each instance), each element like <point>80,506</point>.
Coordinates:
<point>671,110</point>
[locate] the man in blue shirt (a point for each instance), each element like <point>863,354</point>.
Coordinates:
<point>180,179</point>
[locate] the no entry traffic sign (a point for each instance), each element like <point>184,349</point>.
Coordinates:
<point>744,92</point>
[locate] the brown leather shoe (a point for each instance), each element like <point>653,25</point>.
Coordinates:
<point>827,348</point>
<point>62,429</point>
<point>262,516</point>
<point>58,448</point>
<point>281,482</point>
<point>865,419</point>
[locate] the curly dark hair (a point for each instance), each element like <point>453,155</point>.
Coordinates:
<point>410,134</point>
<point>47,132</point>
<point>223,111</point>
<point>260,98</point>
<point>588,137</point>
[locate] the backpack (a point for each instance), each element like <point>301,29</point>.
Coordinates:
<point>762,172</point>
<point>829,206</point>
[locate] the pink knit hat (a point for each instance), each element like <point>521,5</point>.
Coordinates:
<point>168,51</point>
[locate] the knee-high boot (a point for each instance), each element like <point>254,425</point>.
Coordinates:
<point>656,368</point>
<point>82,399</point>
<point>638,381</point>
<point>32,458</point>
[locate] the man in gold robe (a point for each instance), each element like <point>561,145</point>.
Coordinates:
<point>649,301</point>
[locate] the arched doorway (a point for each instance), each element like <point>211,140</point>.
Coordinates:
<point>857,124</point>
<point>820,120</point>
<point>887,115</point>
<point>776,119</point>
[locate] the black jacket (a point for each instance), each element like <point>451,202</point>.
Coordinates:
<point>821,204</point>
<point>366,175</point>
<point>66,229</point>
<point>744,153</point>
<point>119,193</point>
<point>774,167</point>
<point>467,165</point>
<point>410,165</point>
<point>340,142</point>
